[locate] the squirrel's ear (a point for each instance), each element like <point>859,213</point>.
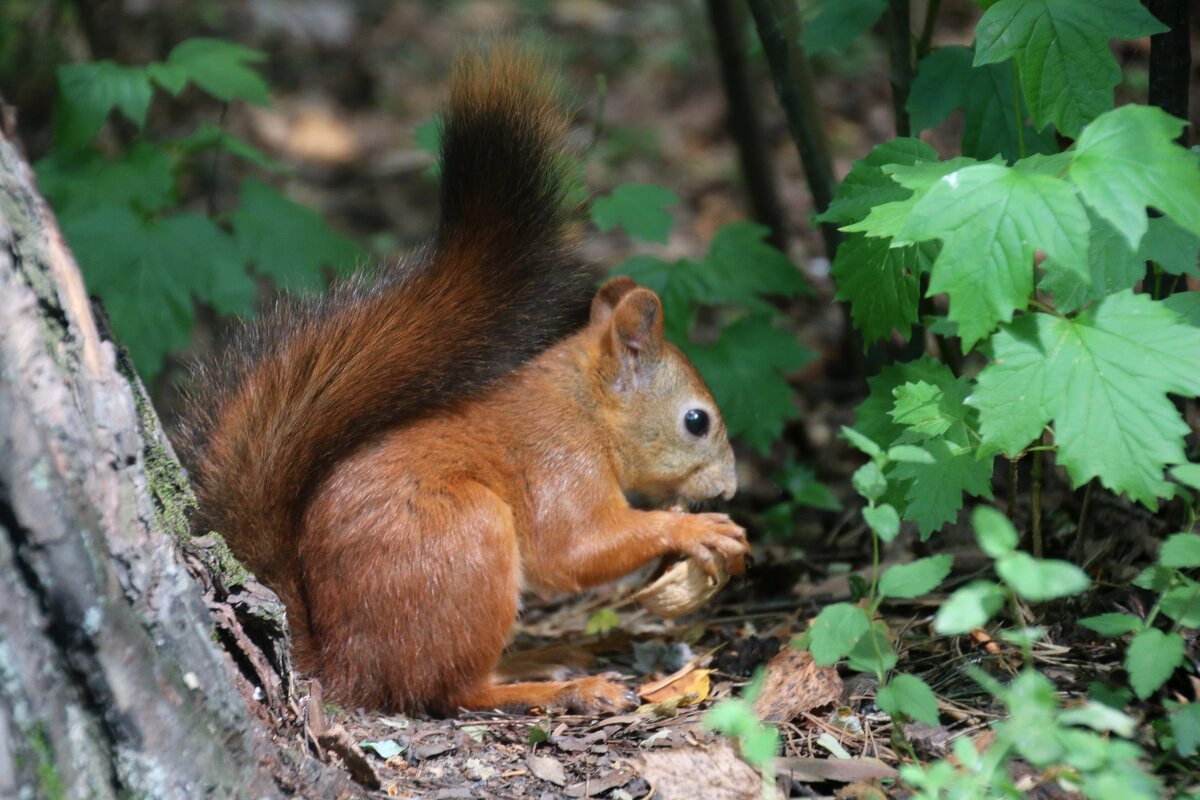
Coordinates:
<point>609,295</point>
<point>637,322</point>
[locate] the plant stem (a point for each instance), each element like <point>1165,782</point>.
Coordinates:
<point>899,37</point>
<point>924,45</point>
<point>1014,608</point>
<point>743,119</point>
<point>1012,488</point>
<point>1083,509</point>
<point>874,566</point>
<point>1150,617</point>
<point>1020,117</point>
<point>1048,309</point>
<point>1035,497</point>
<point>794,86</point>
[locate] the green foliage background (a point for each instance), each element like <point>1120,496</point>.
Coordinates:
<point>122,210</point>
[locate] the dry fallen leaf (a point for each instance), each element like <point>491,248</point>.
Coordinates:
<point>597,786</point>
<point>796,685</point>
<point>714,773</point>
<point>547,769</point>
<point>692,687</point>
<point>843,770</point>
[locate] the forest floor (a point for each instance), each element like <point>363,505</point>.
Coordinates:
<point>352,83</point>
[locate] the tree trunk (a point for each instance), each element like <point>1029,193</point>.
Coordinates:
<point>128,663</point>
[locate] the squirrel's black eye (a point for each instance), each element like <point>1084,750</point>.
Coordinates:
<point>696,421</point>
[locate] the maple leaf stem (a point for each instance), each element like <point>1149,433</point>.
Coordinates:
<point>1045,307</point>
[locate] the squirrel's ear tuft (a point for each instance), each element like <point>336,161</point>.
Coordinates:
<point>609,295</point>
<point>637,321</point>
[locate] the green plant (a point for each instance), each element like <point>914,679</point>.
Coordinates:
<point>1098,762</point>
<point>1061,274</point>
<point>1066,334</point>
<point>1087,747</point>
<point>1153,655</point>
<point>852,631</point>
<point>120,200</point>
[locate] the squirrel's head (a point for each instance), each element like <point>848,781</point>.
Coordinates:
<point>667,432</point>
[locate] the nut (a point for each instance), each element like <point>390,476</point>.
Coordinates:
<point>682,588</point>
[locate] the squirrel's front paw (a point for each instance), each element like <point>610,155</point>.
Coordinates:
<point>699,535</point>
<point>596,695</point>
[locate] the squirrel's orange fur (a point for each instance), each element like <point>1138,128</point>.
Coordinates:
<point>400,460</point>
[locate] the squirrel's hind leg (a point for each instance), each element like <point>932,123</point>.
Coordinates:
<point>411,591</point>
<point>481,513</point>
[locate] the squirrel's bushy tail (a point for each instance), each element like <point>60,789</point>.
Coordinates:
<point>309,382</point>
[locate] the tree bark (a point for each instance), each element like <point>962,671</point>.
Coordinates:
<point>128,664</point>
<point>743,121</point>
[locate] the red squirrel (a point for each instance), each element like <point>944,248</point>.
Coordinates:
<point>400,459</point>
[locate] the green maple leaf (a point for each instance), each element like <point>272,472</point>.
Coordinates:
<point>1186,305</point>
<point>746,371</point>
<point>1114,267</point>
<point>923,402</point>
<point>946,80</point>
<point>991,219</point>
<point>78,181</point>
<point>881,283</point>
<point>867,185</point>
<point>741,267</point>
<point>935,495</point>
<point>146,273</point>
<point>1172,247</point>
<point>1127,160</point>
<point>89,92</point>
<point>873,417</point>
<point>1111,265</point>
<point>929,410</point>
<point>838,23</point>
<point>887,219</point>
<point>286,240</point>
<point>1061,48</point>
<point>218,67</point>
<point>639,208</point>
<point>1102,377</point>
